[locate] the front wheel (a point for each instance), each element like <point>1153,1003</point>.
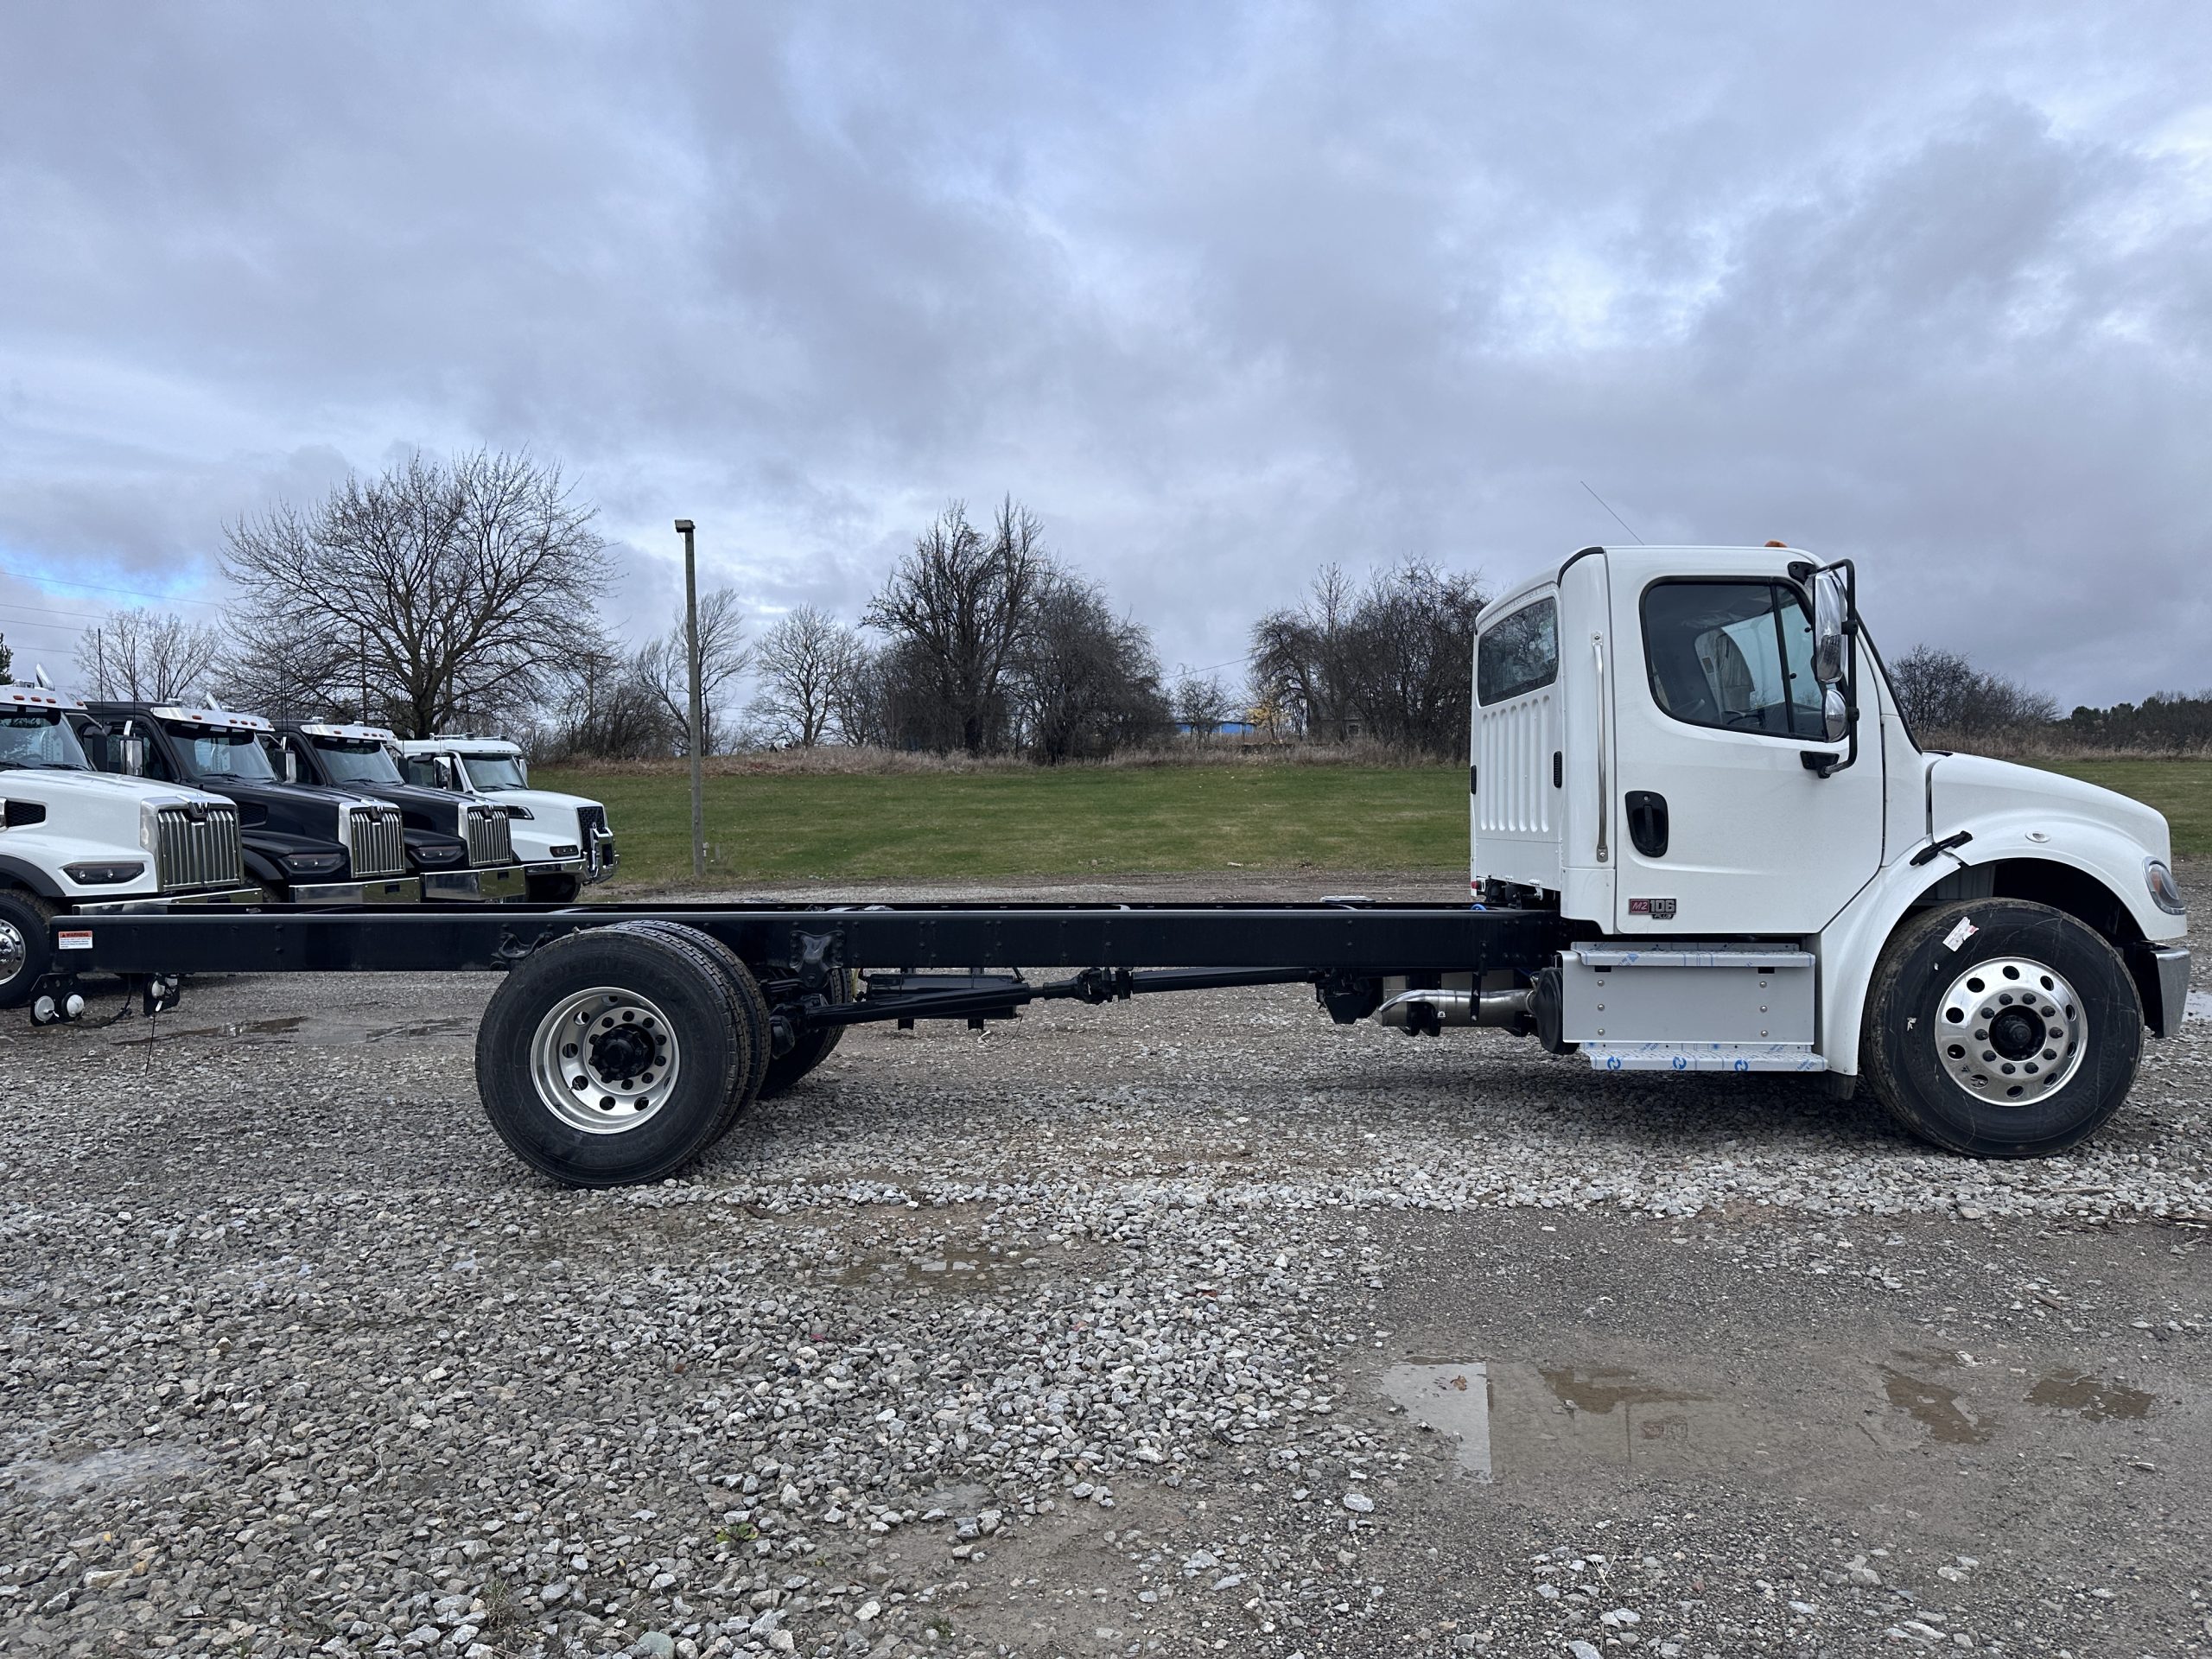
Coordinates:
<point>26,945</point>
<point>2001,1028</point>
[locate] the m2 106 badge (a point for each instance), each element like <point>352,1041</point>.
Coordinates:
<point>1659,910</point>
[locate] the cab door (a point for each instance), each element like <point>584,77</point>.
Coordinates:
<point>1718,824</point>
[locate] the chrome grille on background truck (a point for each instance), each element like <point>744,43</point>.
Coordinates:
<point>196,847</point>
<point>374,839</point>
<point>490,841</point>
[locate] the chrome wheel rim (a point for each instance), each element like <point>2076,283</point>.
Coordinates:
<point>605,1060</point>
<point>14,951</point>
<point>2011,1030</point>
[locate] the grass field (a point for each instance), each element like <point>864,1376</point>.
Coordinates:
<point>1086,821</point>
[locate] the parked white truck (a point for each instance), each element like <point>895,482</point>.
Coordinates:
<point>562,841</point>
<point>1703,840</point>
<point>75,841</point>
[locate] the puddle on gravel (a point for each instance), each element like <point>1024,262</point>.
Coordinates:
<point>282,1025</point>
<point>1531,1420</point>
<point>2093,1399</point>
<point>2199,1006</point>
<point>1936,1409</point>
<point>104,1470</point>
<point>951,1271</point>
<point>1450,1399</point>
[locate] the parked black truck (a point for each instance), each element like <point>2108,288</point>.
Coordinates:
<point>302,843</point>
<point>360,758</point>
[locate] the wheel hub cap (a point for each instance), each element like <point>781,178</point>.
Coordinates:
<point>2011,1030</point>
<point>605,1060</point>
<point>14,951</point>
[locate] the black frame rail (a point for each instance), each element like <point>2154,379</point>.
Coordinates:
<point>1314,939</point>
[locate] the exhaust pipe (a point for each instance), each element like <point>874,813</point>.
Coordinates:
<point>1428,1012</point>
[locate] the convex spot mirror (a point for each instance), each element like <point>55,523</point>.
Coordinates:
<point>1831,614</point>
<point>1836,715</point>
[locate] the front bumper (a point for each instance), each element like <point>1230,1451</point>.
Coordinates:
<point>159,901</point>
<point>557,867</point>
<point>492,885</point>
<point>601,857</point>
<point>2170,964</point>
<point>384,890</point>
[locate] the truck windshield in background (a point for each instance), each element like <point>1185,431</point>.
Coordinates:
<point>221,753</point>
<point>495,772</point>
<point>356,760</point>
<point>41,740</point>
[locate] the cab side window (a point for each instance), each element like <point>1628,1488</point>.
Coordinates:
<point>1519,654</point>
<point>1737,656</point>
<point>421,771</point>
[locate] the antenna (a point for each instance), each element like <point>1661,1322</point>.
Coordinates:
<point>1618,519</point>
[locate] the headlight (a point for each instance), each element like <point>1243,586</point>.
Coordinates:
<point>437,855</point>
<point>2164,893</point>
<point>562,849</point>
<point>314,863</point>
<point>103,874</point>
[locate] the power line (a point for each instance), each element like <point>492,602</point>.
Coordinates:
<point>128,593</point>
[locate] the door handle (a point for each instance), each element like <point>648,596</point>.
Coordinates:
<point>1604,785</point>
<point>1647,822</point>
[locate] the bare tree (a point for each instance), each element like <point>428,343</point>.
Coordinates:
<point>1301,660</point>
<point>1940,693</point>
<point>1201,703</point>
<point>600,705</point>
<point>803,661</point>
<point>462,584</point>
<point>145,656</point>
<point>958,602</point>
<point>1411,649</point>
<point>1085,682</point>
<point>663,667</point>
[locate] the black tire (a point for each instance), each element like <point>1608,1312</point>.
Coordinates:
<point>813,1047</point>
<point>2020,1103</point>
<point>706,1032</point>
<point>552,889</point>
<point>25,944</point>
<point>746,990</point>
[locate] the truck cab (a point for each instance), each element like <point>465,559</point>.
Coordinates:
<point>1693,756</point>
<point>458,845</point>
<point>304,844</point>
<point>563,840</point>
<point>74,841</point>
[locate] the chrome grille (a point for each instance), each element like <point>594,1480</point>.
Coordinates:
<point>489,838</point>
<point>374,840</point>
<point>196,847</point>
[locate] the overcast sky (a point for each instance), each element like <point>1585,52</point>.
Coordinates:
<point>1220,292</point>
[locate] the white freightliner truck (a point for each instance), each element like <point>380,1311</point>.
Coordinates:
<point>1703,842</point>
<point>562,841</point>
<point>75,842</point>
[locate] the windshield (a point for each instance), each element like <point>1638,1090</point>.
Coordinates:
<point>494,772</point>
<point>39,740</point>
<point>222,754</point>
<point>356,760</point>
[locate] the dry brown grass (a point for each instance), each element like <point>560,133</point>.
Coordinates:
<point>842,760</point>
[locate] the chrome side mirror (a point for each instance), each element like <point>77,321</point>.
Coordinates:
<point>1831,616</point>
<point>1836,714</point>
<point>134,754</point>
<point>291,765</point>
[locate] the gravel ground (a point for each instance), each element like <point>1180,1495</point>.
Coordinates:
<point>1193,1325</point>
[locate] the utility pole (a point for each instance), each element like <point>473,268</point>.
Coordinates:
<point>684,527</point>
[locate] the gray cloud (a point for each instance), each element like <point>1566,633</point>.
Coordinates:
<point>1221,293</point>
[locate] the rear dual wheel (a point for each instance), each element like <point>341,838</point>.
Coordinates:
<point>618,1054</point>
